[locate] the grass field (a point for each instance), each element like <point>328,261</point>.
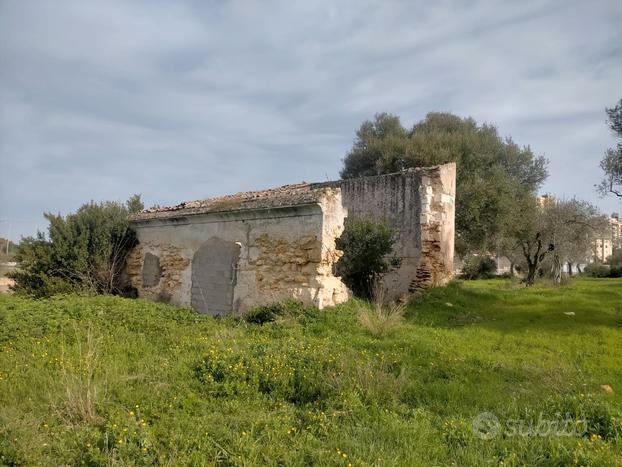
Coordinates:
<point>106,380</point>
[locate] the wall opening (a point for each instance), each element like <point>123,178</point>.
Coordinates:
<point>214,273</point>
<point>151,270</point>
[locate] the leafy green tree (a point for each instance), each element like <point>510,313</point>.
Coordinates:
<point>380,146</point>
<point>560,230</point>
<point>84,251</point>
<point>525,233</point>
<point>134,204</point>
<point>611,163</point>
<point>491,171</point>
<point>365,244</point>
<point>573,225</point>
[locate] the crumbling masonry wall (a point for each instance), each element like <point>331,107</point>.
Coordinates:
<point>419,205</point>
<point>437,220</point>
<point>285,253</point>
<point>288,251</point>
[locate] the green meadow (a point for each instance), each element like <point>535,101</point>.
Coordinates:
<point>479,373</point>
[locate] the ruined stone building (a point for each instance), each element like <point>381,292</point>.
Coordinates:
<point>228,254</point>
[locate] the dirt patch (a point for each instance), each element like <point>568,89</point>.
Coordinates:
<point>5,283</point>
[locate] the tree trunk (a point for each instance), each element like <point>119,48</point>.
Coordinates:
<point>579,269</point>
<point>557,270</point>
<point>531,274</point>
<point>511,269</point>
<point>534,262</point>
<point>569,268</point>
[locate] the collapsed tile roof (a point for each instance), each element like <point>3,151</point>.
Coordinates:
<point>284,196</point>
<point>273,198</point>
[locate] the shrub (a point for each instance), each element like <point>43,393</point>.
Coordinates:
<point>616,271</point>
<point>611,268</point>
<point>615,260</point>
<point>479,267</point>
<point>615,263</point>
<point>263,314</point>
<point>365,244</point>
<point>83,251</point>
<point>597,270</point>
<point>268,313</point>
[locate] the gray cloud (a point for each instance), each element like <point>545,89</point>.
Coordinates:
<point>185,100</point>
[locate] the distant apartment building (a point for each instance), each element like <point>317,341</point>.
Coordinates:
<point>545,200</point>
<point>616,229</point>
<point>610,240</point>
<point>603,248</point>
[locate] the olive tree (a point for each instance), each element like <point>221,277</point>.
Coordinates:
<point>491,171</point>
<point>560,230</point>
<point>611,163</point>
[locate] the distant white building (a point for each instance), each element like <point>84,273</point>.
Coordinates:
<point>603,248</point>
<point>610,240</point>
<point>616,230</point>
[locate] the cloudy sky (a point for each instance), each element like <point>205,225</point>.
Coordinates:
<point>190,99</point>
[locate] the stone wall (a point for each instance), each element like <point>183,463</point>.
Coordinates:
<point>289,251</point>
<point>285,253</point>
<point>173,263</point>
<point>418,204</point>
<point>437,195</point>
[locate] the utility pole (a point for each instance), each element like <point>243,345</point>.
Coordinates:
<point>8,234</point>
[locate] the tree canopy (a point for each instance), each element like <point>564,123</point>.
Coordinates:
<point>492,172</point>
<point>561,230</point>
<point>611,163</point>
<point>85,250</point>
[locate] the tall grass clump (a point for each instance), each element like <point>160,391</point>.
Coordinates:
<point>81,390</point>
<point>379,318</point>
